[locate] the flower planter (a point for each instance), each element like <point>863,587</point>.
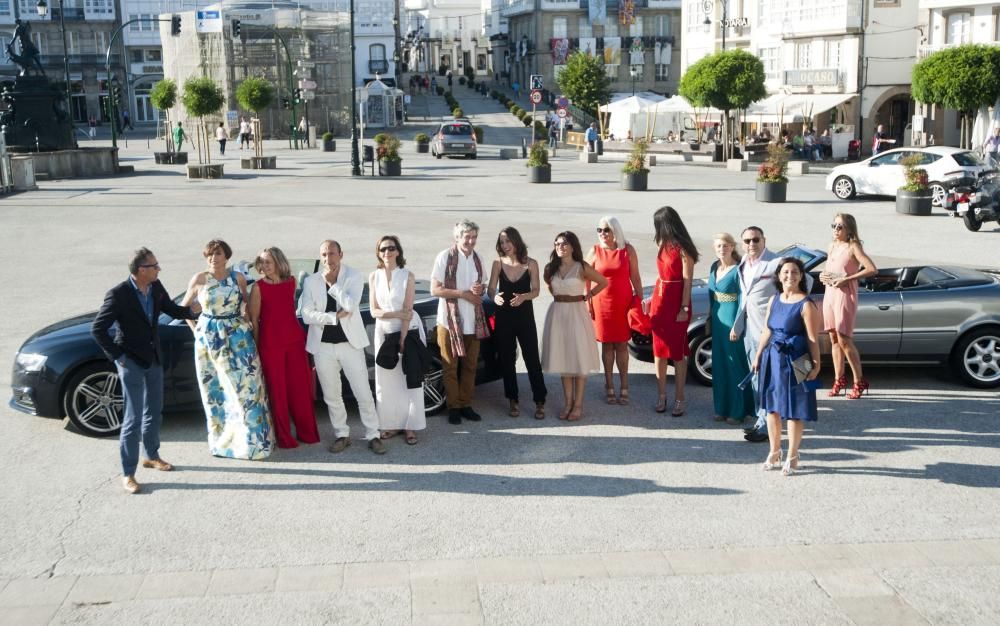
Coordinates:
<point>391,168</point>
<point>329,145</point>
<point>913,202</point>
<point>423,147</point>
<point>167,158</point>
<point>637,181</point>
<point>771,192</point>
<point>539,174</point>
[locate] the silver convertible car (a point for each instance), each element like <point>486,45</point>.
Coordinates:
<point>912,316</point>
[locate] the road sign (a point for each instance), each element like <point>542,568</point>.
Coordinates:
<point>536,96</point>
<point>562,102</point>
<point>306,64</point>
<point>307,84</point>
<point>561,112</point>
<point>536,81</point>
<point>308,95</point>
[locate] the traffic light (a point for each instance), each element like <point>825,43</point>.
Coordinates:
<point>116,93</point>
<point>285,103</point>
<point>236,26</point>
<point>297,94</point>
<point>175,25</point>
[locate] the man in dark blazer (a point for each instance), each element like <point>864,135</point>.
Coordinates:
<point>135,306</point>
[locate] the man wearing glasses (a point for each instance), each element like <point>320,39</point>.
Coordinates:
<point>134,306</point>
<point>757,270</point>
<point>330,306</point>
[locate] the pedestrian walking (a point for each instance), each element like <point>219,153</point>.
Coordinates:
<point>245,132</point>
<point>591,137</point>
<point>92,122</point>
<point>179,137</point>
<point>221,136</point>
<point>991,148</point>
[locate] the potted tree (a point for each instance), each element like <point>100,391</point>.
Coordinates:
<point>387,153</point>
<point>203,97</point>
<point>913,198</point>
<point>423,142</point>
<point>256,94</point>
<point>635,174</point>
<point>772,179</point>
<point>539,170</point>
<point>163,96</point>
<point>329,145</point>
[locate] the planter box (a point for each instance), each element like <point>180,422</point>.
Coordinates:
<point>423,148</point>
<point>213,170</point>
<point>259,163</point>
<point>329,145</point>
<point>635,182</point>
<point>391,168</point>
<point>771,192</point>
<point>168,158</point>
<point>508,153</point>
<point>798,168</point>
<point>540,174</point>
<point>588,157</point>
<point>736,165</point>
<point>913,202</point>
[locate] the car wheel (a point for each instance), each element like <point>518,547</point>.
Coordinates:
<point>472,156</point>
<point>434,394</point>
<point>700,361</point>
<point>93,401</point>
<point>938,193</point>
<point>843,188</point>
<point>977,358</point>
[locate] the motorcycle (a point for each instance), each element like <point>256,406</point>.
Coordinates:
<point>975,199</point>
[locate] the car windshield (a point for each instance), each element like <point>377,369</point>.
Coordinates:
<point>968,159</point>
<point>810,258</point>
<point>457,129</point>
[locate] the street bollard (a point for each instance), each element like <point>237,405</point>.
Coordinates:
<point>524,148</point>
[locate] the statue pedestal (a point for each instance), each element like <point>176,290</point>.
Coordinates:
<point>37,119</point>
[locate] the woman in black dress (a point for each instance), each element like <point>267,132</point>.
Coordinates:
<point>513,285</point>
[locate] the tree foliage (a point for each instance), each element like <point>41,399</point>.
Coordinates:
<point>727,80</point>
<point>255,94</point>
<point>202,97</point>
<point>163,95</point>
<point>584,81</point>
<point>963,78</point>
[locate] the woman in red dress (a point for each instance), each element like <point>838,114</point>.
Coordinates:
<point>670,305</point>
<point>615,259</point>
<point>281,343</point>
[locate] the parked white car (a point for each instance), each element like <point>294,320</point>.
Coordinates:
<point>882,175</point>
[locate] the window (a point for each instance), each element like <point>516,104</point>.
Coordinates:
<point>996,24</point>
<point>154,56</point>
<point>134,26</point>
<point>376,52</point>
<point>696,17</point>
<point>611,29</point>
<point>559,28</point>
<point>771,58</point>
<point>5,8</point>
<point>832,55</point>
<point>481,62</point>
<point>586,30</point>
<point>635,29</point>
<point>136,56</point>
<point>662,72</point>
<point>662,25</point>
<point>959,28</point>
<point>802,53</point>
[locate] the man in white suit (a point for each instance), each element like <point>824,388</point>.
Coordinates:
<point>329,305</point>
<point>756,272</point>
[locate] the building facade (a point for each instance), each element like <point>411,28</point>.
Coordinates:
<point>445,36</point>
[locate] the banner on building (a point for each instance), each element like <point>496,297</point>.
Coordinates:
<point>635,52</point>
<point>588,45</point>
<point>208,21</point>
<point>598,12</point>
<point>560,50</point>
<point>663,53</point>
<point>612,50</point>
<point>626,12</point>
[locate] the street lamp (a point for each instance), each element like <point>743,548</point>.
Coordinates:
<point>355,159</point>
<point>709,8</point>
<point>43,10</point>
<point>633,71</point>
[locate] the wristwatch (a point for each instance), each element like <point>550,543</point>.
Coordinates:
<point>686,308</point>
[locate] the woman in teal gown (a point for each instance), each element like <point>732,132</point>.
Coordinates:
<point>729,361</point>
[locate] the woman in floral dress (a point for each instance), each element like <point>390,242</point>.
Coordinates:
<point>229,371</point>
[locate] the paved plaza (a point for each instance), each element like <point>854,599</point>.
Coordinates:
<point>626,517</point>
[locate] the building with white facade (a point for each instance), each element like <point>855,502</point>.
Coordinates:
<point>445,35</point>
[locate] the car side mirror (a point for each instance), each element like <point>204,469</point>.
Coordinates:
<point>872,164</point>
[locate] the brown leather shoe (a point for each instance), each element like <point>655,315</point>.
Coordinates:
<point>376,446</point>
<point>130,485</point>
<point>340,444</point>
<point>158,464</point>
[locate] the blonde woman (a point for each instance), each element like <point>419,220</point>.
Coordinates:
<point>729,360</point>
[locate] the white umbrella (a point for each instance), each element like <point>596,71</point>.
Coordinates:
<point>980,128</point>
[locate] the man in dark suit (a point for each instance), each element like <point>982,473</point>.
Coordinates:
<point>135,306</point>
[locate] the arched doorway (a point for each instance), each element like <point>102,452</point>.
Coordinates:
<point>894,110</point>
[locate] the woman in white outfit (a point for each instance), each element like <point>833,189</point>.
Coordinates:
<point>391,292</point>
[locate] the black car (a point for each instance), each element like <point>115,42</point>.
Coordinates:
<point>61,372</point>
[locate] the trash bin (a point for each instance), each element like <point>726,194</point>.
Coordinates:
<point>600,146</point>
<point>369,154</point>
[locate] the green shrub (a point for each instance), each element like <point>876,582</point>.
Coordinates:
<point>458,112</point>
<point>327,136</point>
<point>538,155</point>
<point>440,90</point>
<point>388,148</point>
<point>421,138</point>
<point>636,161</point>
<point>461,80</point>
<point>380,138</point>
<point>540,131</point>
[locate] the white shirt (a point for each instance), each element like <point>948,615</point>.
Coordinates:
<point>220,133</point>
<point>465,276</point>
<point>244,127</point>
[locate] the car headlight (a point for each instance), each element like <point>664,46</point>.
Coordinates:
<point>30,362</point>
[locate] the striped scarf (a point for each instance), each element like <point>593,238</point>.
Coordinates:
<point>455,334</point>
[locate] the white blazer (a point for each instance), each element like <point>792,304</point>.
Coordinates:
<point>756,290</point>
<point>347,292</point>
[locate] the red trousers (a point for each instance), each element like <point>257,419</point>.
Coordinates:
<point>289,388</point>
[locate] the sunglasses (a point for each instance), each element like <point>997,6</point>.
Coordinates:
<point>155,266</point>
<point>751,240</point>
<point>837,226</point>
<point>605,231</point>
<point>385,249</point>
<point>560,244</point>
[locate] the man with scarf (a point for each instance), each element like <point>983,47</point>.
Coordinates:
<point>458,281</point>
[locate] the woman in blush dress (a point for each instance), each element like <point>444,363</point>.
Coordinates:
<point>282,346</point>
<point>391,290</point>
<point>615,259</point>
<point>225,356</point>
<point>670,304</point>
<point>729,359</point>
<point>568,347</point>
<point>846,263</point>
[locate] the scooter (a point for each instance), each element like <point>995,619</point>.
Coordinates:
<point>974,199</point>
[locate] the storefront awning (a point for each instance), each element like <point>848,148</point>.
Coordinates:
<point>796,107</point>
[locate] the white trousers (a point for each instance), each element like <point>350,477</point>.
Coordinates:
<point>330,359</point>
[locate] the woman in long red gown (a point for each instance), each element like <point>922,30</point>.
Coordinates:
<point>670,304</point>
<point>281,343</point>
<point>615,259</point>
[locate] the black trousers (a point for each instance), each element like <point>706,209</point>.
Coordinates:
<point>513,328</point>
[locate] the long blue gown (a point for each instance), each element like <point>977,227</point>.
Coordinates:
<point>729,359</point>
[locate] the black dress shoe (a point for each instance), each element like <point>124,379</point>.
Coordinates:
<point>470,415</point>
<point>454,416</point>
<point>756,436</point>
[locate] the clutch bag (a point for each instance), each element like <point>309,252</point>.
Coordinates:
<point>801,367</point>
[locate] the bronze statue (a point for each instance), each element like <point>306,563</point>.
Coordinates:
<point>28,58</point>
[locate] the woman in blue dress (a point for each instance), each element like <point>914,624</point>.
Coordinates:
<point>729,360</point>
<point>793,325</point>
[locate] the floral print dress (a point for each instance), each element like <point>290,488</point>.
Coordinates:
<point>229,374</point>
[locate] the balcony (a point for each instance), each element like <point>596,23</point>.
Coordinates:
<point>807,19</point>
<point>925,50</point>
<point>72,13</point>
<point>89,60</point>
<point>511,8</point>
<point>378,66</point>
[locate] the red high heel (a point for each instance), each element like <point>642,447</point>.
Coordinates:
<point>859,388</point>
<point>838,385</point>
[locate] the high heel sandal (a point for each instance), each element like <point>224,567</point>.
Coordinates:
<point>623,397</point>
<point>610,393</point>
<point>679,406</point>
<point>838,385</point>
<point>769,463</point>
<point>788,469</point>
<point>515,410</point>
<point>539,410</point>
<point>860,386</point>
<point>661,404</point>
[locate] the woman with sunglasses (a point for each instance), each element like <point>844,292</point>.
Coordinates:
<point>513,285</point>
<point>615,259</point>
<point>846,263</point>
<point>568,338</point>
<point>391,290</point>
<point>670,304</point>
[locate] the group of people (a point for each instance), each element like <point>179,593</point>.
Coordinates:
<point>253,358</point>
